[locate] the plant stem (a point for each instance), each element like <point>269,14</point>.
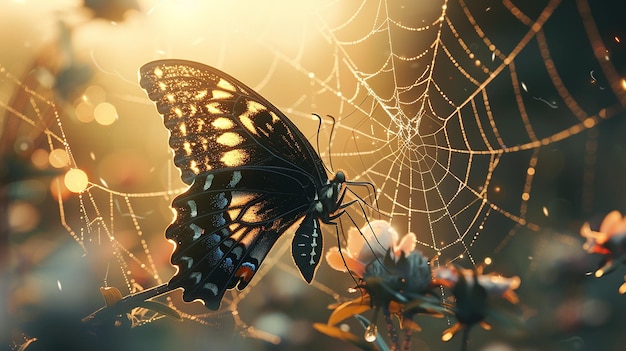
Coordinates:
<point>465,339</point>
<point>391,330</point>
<point>126,304</point>
<point>406,344</point>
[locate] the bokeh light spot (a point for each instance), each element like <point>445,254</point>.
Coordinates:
<point>84,111</point>
<point>105,113</point>
<point>39,158</point>
<point>95,94</point>
<point>58,158</point>
<point>76,180</point>
<point>23,217</point>
<point>23,145</point>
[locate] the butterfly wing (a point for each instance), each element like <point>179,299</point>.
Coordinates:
<point>226,224</point>
<point>252,175</point>
<point>216,121</point>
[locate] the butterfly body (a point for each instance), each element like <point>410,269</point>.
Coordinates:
<point>252,176</point>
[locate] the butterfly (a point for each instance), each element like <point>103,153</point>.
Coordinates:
<point>252,175</point>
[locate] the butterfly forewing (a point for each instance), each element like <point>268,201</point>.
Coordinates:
<point>252,175</point>
<point>216,121</point>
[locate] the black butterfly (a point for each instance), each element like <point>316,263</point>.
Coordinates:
<point>252,173</point>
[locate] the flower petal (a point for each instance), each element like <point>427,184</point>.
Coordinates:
<point>380,238</point>
<point>355,242</point>
<point>349,309</point>
<point>595,240</point>
<point>445,276</point>
<point>407,245</point>
<point>336,262</point>
<point>611,223</point>
<point>335,332</point>
<point>449,333</point>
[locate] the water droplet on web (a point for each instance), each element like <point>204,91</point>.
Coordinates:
<point>58,158</point>
<point>352,290</point>
<point>371,333</point>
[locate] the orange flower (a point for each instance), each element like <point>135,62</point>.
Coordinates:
<point>609,241</point>
<point>370,243</point>
<point>612,231</point>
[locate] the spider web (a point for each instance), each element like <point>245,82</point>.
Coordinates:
<point>477,122</point>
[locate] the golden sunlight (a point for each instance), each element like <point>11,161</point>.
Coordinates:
<point>105,113</point>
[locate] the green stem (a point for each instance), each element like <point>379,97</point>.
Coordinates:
<point>465,339</point>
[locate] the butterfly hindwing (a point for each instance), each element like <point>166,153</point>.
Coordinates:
<point>225,225</point>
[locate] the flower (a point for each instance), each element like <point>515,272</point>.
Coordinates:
<point>495,285</point>
<point>368,244</point>
<point>392,277</point>
<point>396,279</point>
<point>609,241</point>
<point>472,291</point>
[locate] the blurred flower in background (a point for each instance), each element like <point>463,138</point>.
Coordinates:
<point>472,292</point>
<point>609,241</point>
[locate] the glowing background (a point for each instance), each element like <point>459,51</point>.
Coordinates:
<point>417,90</point>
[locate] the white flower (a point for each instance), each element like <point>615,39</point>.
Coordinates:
<point>370,243</point>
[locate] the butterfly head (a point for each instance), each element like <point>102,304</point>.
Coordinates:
<point>340,178</point>
<point>334,186</point>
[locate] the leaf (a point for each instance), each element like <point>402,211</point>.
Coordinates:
<point>111,295</point>
<point>349,309</point>
<point>160,308</point>
<point>410,324</point>
<point>335,332</point>
<point>426,306</point>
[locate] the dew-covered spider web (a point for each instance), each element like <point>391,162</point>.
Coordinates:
<point>486,127</point>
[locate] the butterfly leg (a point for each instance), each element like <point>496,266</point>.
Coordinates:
<point>329,220</point>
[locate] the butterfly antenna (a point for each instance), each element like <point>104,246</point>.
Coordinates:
<point>319,128</point>
<point>317,141</point>
<point>330,140</point>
